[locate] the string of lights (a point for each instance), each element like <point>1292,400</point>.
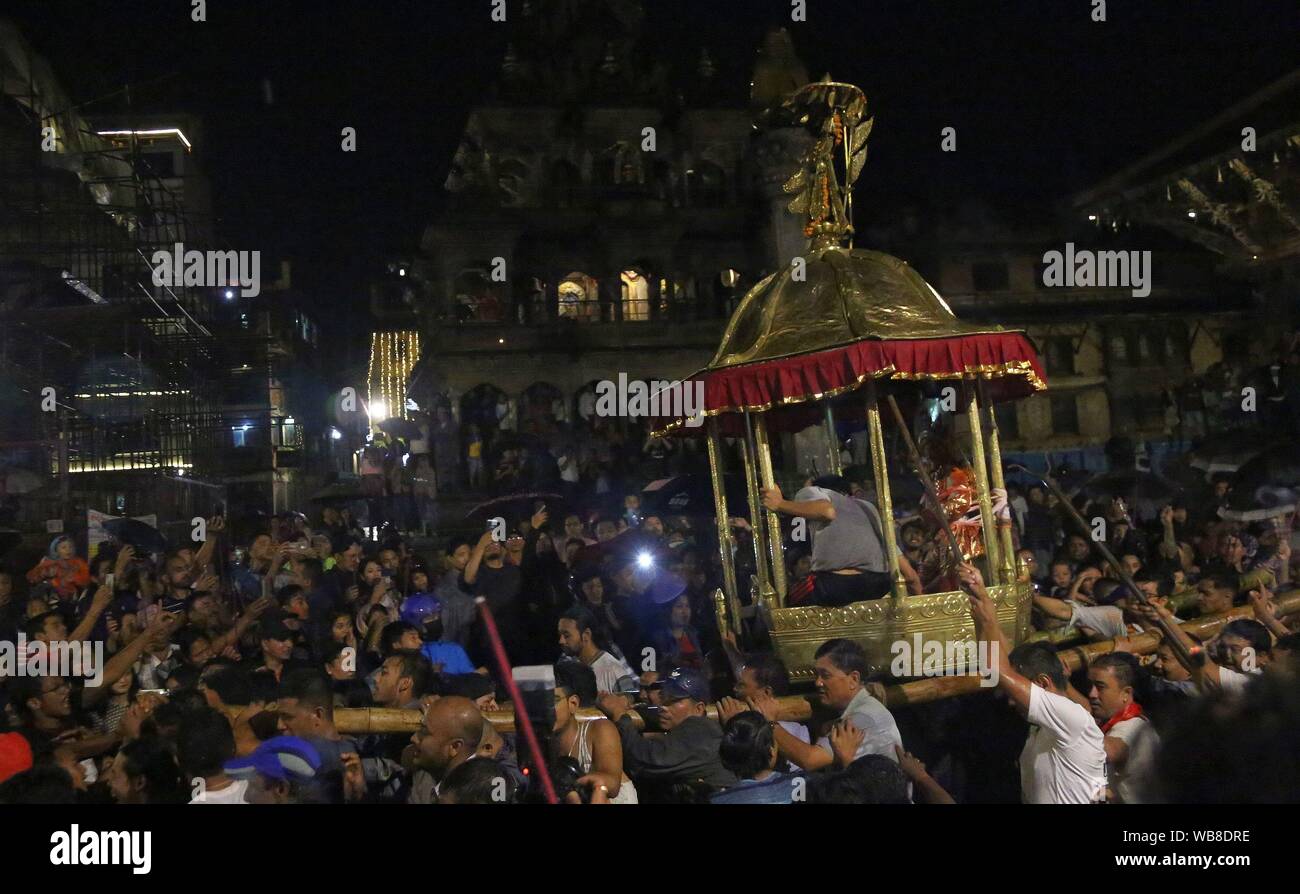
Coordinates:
<point>393,356</point>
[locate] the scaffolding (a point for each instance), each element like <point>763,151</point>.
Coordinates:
<point>136,369</point>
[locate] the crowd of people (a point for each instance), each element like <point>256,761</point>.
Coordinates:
<point>231,665</point>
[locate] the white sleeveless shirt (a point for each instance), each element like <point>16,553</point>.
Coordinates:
<point>626,791</point>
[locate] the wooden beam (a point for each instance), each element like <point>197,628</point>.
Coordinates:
<point>799,708</point>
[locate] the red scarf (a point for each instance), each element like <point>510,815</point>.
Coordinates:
<point>1133,709</point>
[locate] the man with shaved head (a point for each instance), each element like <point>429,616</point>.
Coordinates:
<point>449,736</point>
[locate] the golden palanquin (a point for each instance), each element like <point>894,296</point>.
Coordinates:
<point>876,625</point>
<point>826,336</point>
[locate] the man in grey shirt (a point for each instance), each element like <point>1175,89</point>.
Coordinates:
<point>840,678</point>
<point>848,555</point>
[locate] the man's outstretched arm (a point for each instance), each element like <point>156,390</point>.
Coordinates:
<point>984,613</point>
<point>818,510</point>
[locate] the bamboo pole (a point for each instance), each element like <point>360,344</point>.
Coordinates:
<point>1073,659</point>
<point>1186,659</point>
<point>799,708</point>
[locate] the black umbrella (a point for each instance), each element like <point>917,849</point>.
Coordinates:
<point>397,427</point>
<point>1265,487</point>
<point>1227,452</point>
<point>145,538</point>
<point>515,506</point>
<point>692,495</point>
<point>1145,493</point>
<point>339,491</point>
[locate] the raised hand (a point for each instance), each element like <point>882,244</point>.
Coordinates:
<point>257,607</point>
<point>766,705</point>
<point>354,777</point>
<point>729,707</point>
<point>911,766</point>
<point>613,704</point>
<point>1001,508</point>
<point>103,596</point>
<point>1261,600</point>
<point>846,739</point>
<point>124,557</point>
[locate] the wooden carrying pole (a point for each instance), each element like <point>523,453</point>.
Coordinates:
<point>1185,658</point>
<point>798,708</point>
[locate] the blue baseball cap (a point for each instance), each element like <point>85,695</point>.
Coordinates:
<point>420,607</point>
<point>685,683</point>
<point>284,757</point>
<point>665,588</point>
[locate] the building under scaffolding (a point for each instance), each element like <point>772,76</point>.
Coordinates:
<point>114,389</point>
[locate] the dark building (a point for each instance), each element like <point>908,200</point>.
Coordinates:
<point>604,215</point>
<point>569,249</point>
<point>119,394</point>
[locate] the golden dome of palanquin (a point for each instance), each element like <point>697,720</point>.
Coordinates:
<point>845,296</point>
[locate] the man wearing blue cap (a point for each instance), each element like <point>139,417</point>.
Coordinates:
<point>688,752</point>
<point>424,610</point>
<point>277,771</point>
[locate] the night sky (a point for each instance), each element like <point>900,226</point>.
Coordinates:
<point>1045,101</point>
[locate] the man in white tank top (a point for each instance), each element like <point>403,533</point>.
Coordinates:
<point>594,744</point>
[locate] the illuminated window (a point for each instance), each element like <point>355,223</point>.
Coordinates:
<point>636,296</point>
<point>579,297</point>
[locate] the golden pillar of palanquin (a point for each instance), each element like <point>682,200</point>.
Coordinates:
<point>983,494</point>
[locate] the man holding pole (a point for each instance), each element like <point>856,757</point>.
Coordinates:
<point>848,557</point>
<point>1063,761</point>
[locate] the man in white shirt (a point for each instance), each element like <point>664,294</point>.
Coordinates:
<point>1130,740</point>
<point>204,744</point>
<point>581,638</point>
<point>1063,761</point>
<point>1243,648</point>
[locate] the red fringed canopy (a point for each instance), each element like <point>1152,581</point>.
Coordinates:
<point>786,388</point>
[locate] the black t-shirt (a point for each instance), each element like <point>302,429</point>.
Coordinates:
<point>500,586</point>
